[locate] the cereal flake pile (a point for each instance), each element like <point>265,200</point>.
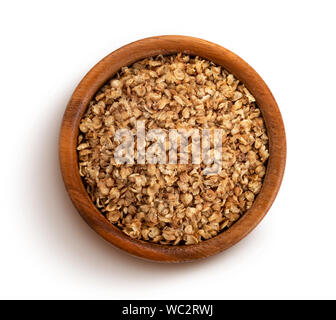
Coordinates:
<point>173,204</point>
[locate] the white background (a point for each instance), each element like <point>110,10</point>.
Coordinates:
<point>47,251</point>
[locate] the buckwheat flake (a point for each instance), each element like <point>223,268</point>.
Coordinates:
<point>176,203</point>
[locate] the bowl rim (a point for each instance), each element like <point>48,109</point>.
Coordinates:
<point>102,72</point>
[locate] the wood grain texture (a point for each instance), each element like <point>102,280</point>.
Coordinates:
<point>127,55</point>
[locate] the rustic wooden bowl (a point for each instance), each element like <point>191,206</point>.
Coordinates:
<point>127,55</point>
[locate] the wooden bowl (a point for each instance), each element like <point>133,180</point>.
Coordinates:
<point>127,55</point>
